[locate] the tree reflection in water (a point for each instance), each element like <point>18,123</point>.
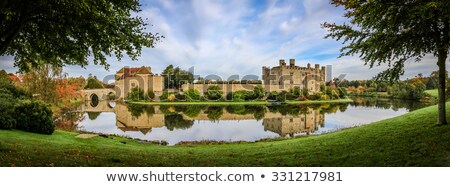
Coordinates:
<point>284,120</point>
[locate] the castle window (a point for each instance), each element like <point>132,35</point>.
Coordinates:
<point>291,120</point>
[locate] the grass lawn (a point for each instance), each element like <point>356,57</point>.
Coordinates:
<point>433,93</point>
<point>408,140</point>
<point>237,103</point>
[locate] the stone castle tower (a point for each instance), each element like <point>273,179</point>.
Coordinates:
<point>285,77</point>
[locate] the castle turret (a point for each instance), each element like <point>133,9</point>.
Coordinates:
<point>292,62</point>
<point>282,62</point>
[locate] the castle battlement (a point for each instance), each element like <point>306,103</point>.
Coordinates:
<point>294,76</point>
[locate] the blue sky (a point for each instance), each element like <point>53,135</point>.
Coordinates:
<point>238,37</point>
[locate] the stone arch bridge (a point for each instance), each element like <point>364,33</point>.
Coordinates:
<point>97,94</point>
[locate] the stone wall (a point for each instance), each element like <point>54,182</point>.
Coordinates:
<point>145,82</point>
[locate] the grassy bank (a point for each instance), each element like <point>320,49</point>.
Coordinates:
<point>408,140</point>
<point>238,103</point>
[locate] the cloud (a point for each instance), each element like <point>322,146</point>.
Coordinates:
<point>239,37</point>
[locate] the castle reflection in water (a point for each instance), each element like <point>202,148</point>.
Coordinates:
<point>283,120</point>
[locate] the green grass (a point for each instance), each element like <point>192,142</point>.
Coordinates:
<point>433,93</point>
<point>238,103</point>
<point>408,140</point>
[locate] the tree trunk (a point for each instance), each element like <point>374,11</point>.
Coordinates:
<point>442,56</point>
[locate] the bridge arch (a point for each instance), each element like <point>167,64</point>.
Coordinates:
<point>94,100</point>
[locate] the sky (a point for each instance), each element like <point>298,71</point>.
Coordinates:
<point>238,37</point>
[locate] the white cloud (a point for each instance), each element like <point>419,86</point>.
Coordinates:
<point>239,37</point>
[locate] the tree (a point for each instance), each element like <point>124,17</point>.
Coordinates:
<point>41,82</point>
<point>192,94</point>
<point>150,94</point>
<point>175,77</point>
<point>65,91</point>
<point>394,32</point>
<point>93,83</point>
<point>68,32</point>
<point>434,78</point>
<point>258,92</point>
<point>136,94</point>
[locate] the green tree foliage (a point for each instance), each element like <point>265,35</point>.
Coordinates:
<point>192,94</point>
<point>258,92</point>
<point>93,83</point>
<point>150,94</point>
<point>34,116</point>
<point>282,96</point>
<point>136,94</point>
<point>432,82</point>
<point>410,89</point>
<point>7,116</point>
<point>296,92</point>
<point>214,92</point>
<point>10,89</point>
<point>382,86</point>
<point>174,77</point>
<point>68,32</point>
<point>243,95</point>
<point>41,82</point>
<point>332,93</point>
<point>305,92</point>
<point>393,32</point>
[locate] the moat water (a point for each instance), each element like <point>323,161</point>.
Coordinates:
<point>175,124</point>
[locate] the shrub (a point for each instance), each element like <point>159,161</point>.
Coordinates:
<point>214,92</point>
<point>325,97</point>
<point>305,92</point>
<point>164,95</point>
<point>180,97</point>
<point>302,98</point>
<point>342,92</point>
<point>229,96</point>
<point>34,116</point>
<point>192,94</point>
<point>243,95</point>
<point>136,94</point>
<point>273,95</point>
<point>282,96</point>
<point>7,116</point>
<point>315,96</point>
<point>171,98</point>
<point>258,92</point>
<point>296,91</point>
<point>150,95</point>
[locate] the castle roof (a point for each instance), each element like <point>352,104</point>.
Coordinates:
<point>131,72</point>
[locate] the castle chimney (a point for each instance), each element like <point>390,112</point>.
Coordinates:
<point>292,62</point>
<point>309,66</point>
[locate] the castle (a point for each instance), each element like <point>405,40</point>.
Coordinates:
<point>279,78</point>
<point>285,77</point>
<point>128,78</point>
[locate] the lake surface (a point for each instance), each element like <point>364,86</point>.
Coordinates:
<point>176,124</point>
